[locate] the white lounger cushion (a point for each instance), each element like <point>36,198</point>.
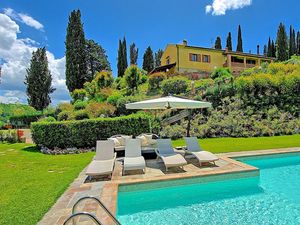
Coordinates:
<point>133,159</point>
<point>168,155</point>
<point>204,156</point>
<point>103,163</point>
<point>173,160</point>
<point>136,163</point>
<point>100,167</point>
<point>194,148</point>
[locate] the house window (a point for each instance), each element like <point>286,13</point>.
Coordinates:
<point>195,57</point>
<point>237,59</point>
<point>168,60</point>
<point>206,58</point>
<point>251,61</point>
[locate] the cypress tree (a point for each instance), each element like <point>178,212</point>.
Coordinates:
<point>120,63</point>
<point>38,80</point>
<point>218,43</point>
<point>298,43</point>
<point>133,54</point>
<point>282,44</point>
<point>229,42</point>
<point>124,47</point>
<point>239,47</point>
<point>265,50</point>
<point>273,49</point>
<point>122,58</point>
<point>292,44</point>
<point>269,50</point>
<point>148,60</point>
<point>96,59</point>
<point>158,55</point>
<point>76,60</point>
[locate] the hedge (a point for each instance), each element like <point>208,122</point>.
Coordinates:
<point>10,136</point>
<point>24,121</point>
<point>85,133</point>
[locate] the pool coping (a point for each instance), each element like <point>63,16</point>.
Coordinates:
<point>109,194</point>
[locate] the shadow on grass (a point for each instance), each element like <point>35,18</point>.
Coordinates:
<point>31,149</point>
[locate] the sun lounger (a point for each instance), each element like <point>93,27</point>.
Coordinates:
<point>193,148</point>
<point>133,159</point>
<point>166,152</point>
<point>103,162</point>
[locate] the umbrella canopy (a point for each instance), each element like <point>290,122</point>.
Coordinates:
<point>169,102</point>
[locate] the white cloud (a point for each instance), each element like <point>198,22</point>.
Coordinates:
<point>219,7</point>
<point>28,20</point>
<point>15,53</point>
<point>24,18</point>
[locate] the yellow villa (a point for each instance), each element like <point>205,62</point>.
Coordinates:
<point>184,58</point>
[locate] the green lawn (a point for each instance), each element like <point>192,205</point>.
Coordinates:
<point>218,145</point>
<point>30,182</point>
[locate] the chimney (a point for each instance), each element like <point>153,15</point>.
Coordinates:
<point>184,42</point>
<point>257,49</point>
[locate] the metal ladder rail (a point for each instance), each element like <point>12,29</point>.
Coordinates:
<point>99,203</point>
<point>72,217</point>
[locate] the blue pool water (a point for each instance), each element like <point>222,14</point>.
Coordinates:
<point>273,197</point>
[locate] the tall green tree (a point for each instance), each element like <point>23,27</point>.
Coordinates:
<point>76,66</point>
<point>38,80</point>
<point>218,43</point>
<point>265,50</point>
<point>239,47</point>
<point>292,44</point>
<point>157,57</point>
<point>273,49</point>
<point>124,47</point>
<point>122,58</point>
<point>132,77</point>
<point>298,43</point>
<point>229,42</point>
<point>269,51</point>
<point>96,59</point>
<point>282,44</point>
<point>134,51</point>
<point>148,60</point>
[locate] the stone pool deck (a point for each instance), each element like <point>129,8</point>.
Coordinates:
<point>107,190</point>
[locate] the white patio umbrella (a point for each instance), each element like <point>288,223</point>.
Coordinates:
<point>169,102</point>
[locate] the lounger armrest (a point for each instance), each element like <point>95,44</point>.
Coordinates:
<point>157,152</point>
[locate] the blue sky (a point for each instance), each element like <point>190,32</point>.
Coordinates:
<point>155,23</point>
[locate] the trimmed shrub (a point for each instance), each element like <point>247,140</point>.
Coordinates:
<point>155,80</point>
<point>81,115</point>
<point>78,94</point>
<point>175,85</point>
<point>85,133</point>
<point>121,108</point>
<point>104,79</point>
<point>113,99</point>
<point>47,119</point>
<point>65,115</point>
<point>10,136</point>
<point>64,107</point>
<point>79,105</point>
<point>103,109</point>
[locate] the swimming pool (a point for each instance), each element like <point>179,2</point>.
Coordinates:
<point>273,197</point>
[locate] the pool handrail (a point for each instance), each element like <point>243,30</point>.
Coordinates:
<point>99,203</point>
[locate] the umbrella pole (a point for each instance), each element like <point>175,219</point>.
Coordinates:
<point>189,124</point>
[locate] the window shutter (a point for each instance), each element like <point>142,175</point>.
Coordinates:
<point>199,57</point>
<point>209,58</point>
<point>191,56</point>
